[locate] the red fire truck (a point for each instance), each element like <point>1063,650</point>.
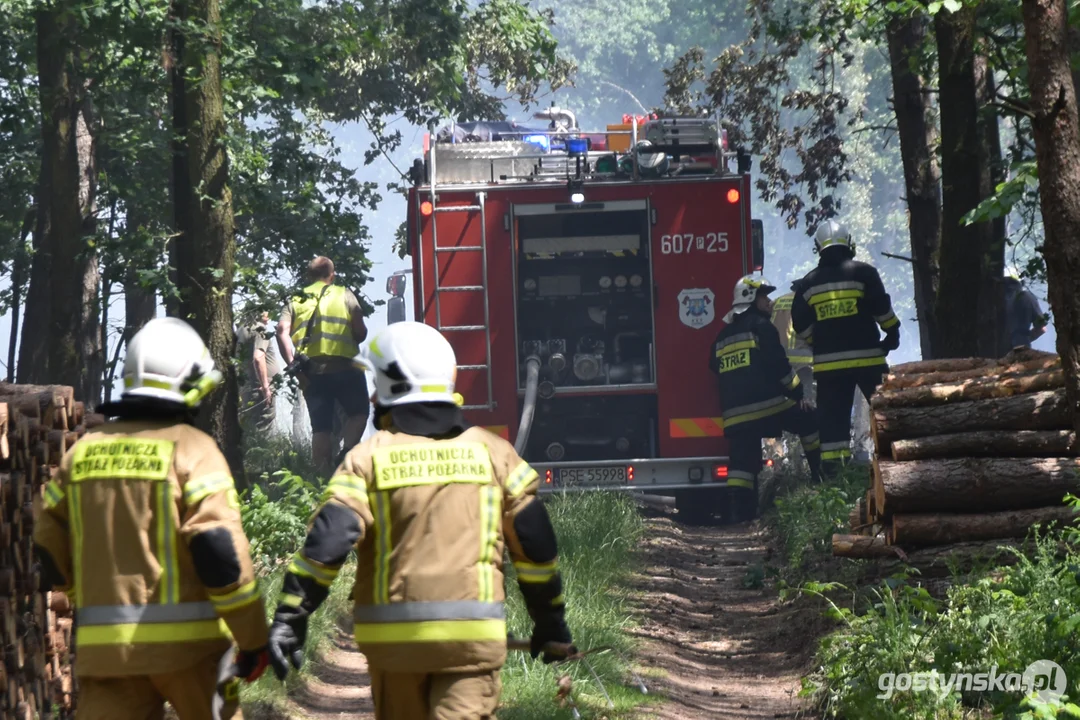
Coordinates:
<point>581,278</point>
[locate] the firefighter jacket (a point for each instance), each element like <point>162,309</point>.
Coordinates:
<point>141,526</point>
<point>429,518</point>
<point>756,379</point>
<point>799,354</point>
<point>837,310</point>
<point>331,332</point>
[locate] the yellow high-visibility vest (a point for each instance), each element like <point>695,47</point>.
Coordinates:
<point>331,334</point>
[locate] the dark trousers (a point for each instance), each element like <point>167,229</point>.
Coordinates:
<point>745,455</point>
<point>835,401</point>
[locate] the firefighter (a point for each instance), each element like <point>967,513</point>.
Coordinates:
<point>798,352</point>
<point>142,527</point>
<point>428,502</point>
<point>838,308</point>
<point>318,335</point>
<point>761,395</point>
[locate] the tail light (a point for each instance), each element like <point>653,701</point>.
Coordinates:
<point>630,473</point>
<point>719,472</point>
<point>547,477</point>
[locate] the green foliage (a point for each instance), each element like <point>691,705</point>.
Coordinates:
<point>597,535</point>
<point>1006,620</point>
<point>806,517</point>
<point>275,514</point>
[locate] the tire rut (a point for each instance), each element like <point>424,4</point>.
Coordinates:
<point>727,652</point>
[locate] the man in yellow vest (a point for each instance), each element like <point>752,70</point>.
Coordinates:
<point>141,525</point>
<point>428,503</point>
<point>319,334</point>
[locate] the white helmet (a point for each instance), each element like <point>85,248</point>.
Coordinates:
<point>167,360</point>
<point>412,363</point>
<point>831,233</point>
<point>746,292</point>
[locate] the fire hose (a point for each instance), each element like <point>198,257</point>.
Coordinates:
<point>532,383</point>
<point>570,653</point>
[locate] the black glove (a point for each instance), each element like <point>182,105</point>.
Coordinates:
<point>891,342</point>
<point>287,644</point>
<point>250,664</point>
<point>551,628</point>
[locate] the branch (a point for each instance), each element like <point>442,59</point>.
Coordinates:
<point>897,257</point>
<point>632,96</point>
<point>1015,106</point>
<point>871,128</point>
<point>382,151</point>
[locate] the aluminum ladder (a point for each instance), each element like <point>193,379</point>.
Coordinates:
<point>481,288</point>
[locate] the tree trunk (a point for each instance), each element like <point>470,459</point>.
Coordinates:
<point>993,338</point>
<point>918,139</point>
<point>84,369</point>
<point>63,345</point>
<point>912,380</point>
<point>982,389</point>
<point>973,484</point>
<point>861,546</point>
<point>18,278</point>
<point>944,529</point>
<point>140,303</point>
<point>1057,150</point>
<point>1046,410</point>
<point>945,365</point>
<point>964,249</point>
<point>942,561</point>
<point>206,246</point>
<point>988,443</point>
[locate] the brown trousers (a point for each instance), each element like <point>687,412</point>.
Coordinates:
<point>438,696</point>
<point>142,697</point>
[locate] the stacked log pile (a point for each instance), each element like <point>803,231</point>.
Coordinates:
<point>38,423</point>
<point>966,451</point>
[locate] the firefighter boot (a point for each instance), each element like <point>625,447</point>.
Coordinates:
<point>743,504</point>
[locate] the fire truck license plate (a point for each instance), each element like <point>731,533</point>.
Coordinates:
<point>586,475</point>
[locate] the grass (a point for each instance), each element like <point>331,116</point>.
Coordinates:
<point>1007,621</point>
<point>597,536</point>
<point>805,516</point>
<point>267,696</point>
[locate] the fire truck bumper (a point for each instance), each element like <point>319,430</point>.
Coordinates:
<point>634,475</point>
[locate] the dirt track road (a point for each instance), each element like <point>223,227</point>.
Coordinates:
<point>727,652</point>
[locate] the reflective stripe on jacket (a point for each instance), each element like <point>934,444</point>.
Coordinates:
<point>118,521</point>
<point>435,516</point>
<point>331,334</point>
<point>756,380</point>
<point>837,310</point>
